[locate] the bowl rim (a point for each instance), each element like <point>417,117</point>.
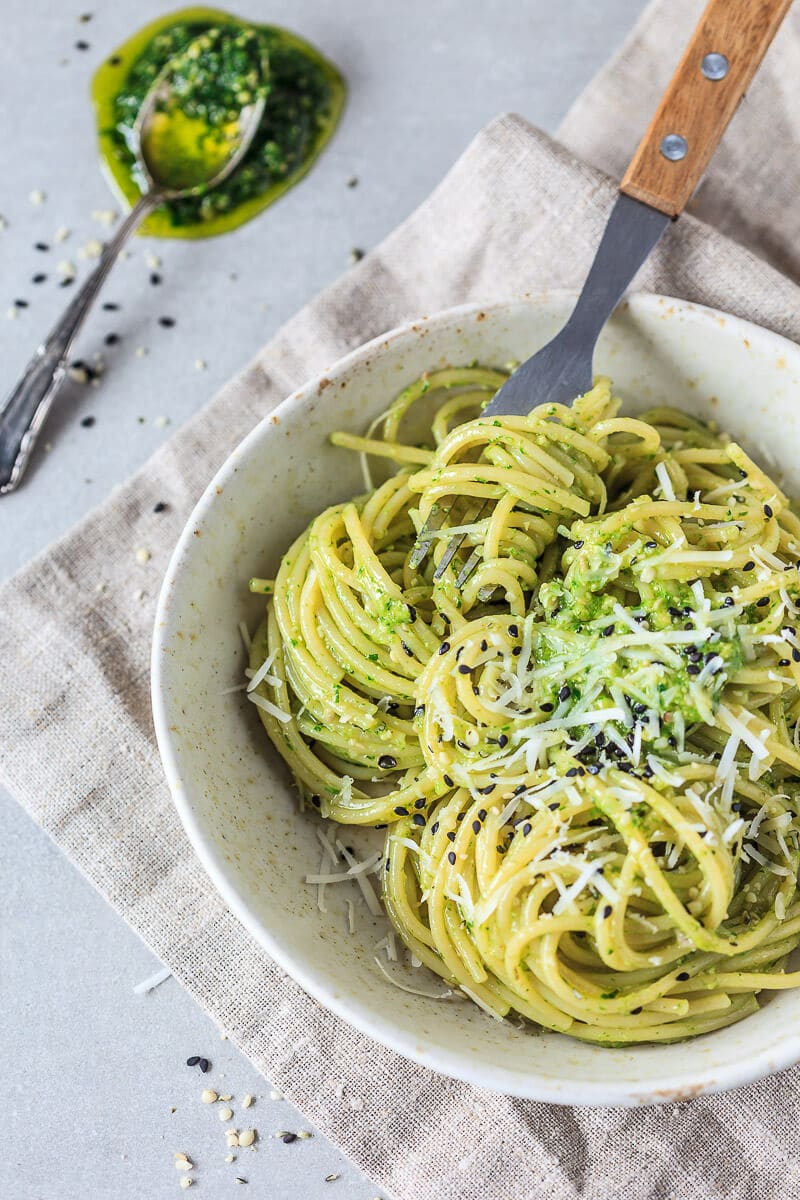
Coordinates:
<point>683,1085</point>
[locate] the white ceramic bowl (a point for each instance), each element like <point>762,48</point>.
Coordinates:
<point>232,791</point>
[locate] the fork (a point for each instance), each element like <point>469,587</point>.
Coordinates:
<point>689,122</point>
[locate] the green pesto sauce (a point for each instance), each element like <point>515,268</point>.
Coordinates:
<point>304,99</point>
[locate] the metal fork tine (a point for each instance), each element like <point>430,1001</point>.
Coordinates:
<point>424,540</point>
<point>454,543</point>
<point>467,569</point>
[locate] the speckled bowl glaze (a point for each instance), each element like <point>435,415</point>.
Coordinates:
<point>232,791</point>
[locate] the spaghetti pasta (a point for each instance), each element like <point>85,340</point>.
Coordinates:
<point>588,757</point>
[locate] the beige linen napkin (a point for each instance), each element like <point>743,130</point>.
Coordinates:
<point>517,213</point>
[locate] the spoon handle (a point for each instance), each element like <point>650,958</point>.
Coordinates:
<point>25,410</point>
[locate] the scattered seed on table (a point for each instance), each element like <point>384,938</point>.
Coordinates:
<point>114,61</point>
<point>225,1114</point>
<point>199,364</point>
<point>232,1137</point>
<point>143,556</point>
<point>230,1158</point>
<point>226,1097</point>
<point>81,45</point>
<point>352,181</point>
<point>60,235</point>
<point>67,281</point>
<point>186,1181</point>
<point>12,313</point>
<point>275,1095</point>
<point>182,1163</point>
<point>239,1179</point>
<point>41,246</point>
<point>356,254</point>
<point>110,306</point>
<point>155,279</point>
<point>288,1138</point>
<point>159,508</point>
<point>37,197</point>
<point>208,1097</point>
<point>153,261</point>
<point>204,1065</point>
<point>167,322</point>
<point>304,1135</point>
<point>140,352</point>
<point>193,1061</point>
<point>21,303</point>
<point>247,1137</point>
<point>332,1178</point>
<point>111,339</point>
<point>248,1099</point>
<point>87,422</point>
<point>39,277</point>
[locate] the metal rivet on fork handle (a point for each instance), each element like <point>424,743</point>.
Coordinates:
<point>674,147</point>
<point>714,66</point>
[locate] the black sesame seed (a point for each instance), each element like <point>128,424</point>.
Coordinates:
<point>609,629</point>
<point>682,976</point>
<point>546,707</point>
<point>40,246</point>
<point>763,602</point>
<point>435,827</point>
<point>526,828</point>
<point>783,662</point>
<point>767,510</point>
<point>193,1061</point>
<point>419,711</point>
<point>159,507</point>
<point>81,45</point>
<point>316,801</point>
<point>448,781</point>
<point>204,1065</point>
<point>445,646</point>
<point>635,1011</point>
<point>517,651</point>
<point>692,669</point>
<point>674,612</point>
<point>114,61</point>
<point>556,804</point>
<point>514,630</point>
<point>461,745</point>
<point>451,837</point>
<point>476,826</point>
<point>401,811</point>
<point>748,566</point>
<point>651,545</point>
<point>451,857</point>
<point>796,654</point>
<point>407,648</point>
<point>288,1138</point>
<point>386,762</point>
<point>67,281</point>
<point>578,544</point>
<point>593,769</point>
<point>727,602</point>
<point>463,669</point>
<point>420,803</point>
<point>21,303</point>
<point>476,691</point>
<point>39,277</point>
<point>659,849</point>
<point>571,772</point>
<point>155,279</point>
<point>565,693</point>
<point>418,819</point>
<point>737,806</point>
<point>487,791</point>
<point>167,322</point>
<point>502,740</point>
<point>111,339</point>
<point>88,422</point>
<point>110,306</point>
<point>484,645</point>
<point>607,911</point>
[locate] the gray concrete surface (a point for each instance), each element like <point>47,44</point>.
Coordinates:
<point>95,1096</point>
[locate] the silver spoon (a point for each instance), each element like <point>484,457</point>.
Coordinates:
<point>25,410</point>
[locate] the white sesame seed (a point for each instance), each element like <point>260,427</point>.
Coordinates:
<point>331,1178</point>
<point>227,1096</point>
<point>66,269</point>
<point>3,223</point>
<point>92,249</point>
<point>104,216</point>
<point>37,197</point>
<point>247,1101</point>
<point>137,595</point>
<point>153,262</point>
<point>161,422</point>
<point>199,364</point>
<point>230,1158</point>
<point>275,1095</point>
<point>12,313</point>
<point>225,1114</point>
<point>143,556</point>
<point>186,1181</point>
<point>78,374</point>
<point>208,1097</point>
<point>232,1137</point>
<point>304,1135</point>
<point>247,1137</point>
<point>141,351</point>
<point>182,1163</point>
<point>61,234</point>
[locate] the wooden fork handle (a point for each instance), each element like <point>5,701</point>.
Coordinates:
<point>712,77</point>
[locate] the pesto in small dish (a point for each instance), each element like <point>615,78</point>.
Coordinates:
<point>216,64</point>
